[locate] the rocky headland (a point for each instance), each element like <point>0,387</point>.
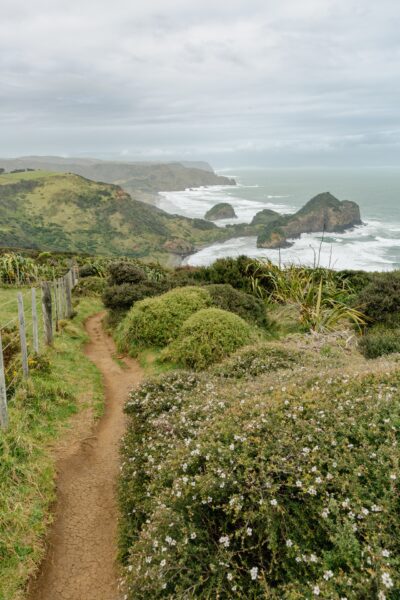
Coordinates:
<point>323,213</point>
<point>220,211</point>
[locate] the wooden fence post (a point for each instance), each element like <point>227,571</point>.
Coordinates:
<point>47,313</point>
<point>3,391</point>
<point>22,335</point>
<point>35,328</point>
<point>56,304</point>
<point>68,295</point>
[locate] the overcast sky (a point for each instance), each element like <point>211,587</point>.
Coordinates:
<point>237,82</point>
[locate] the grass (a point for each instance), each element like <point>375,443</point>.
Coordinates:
<point>39,414</point>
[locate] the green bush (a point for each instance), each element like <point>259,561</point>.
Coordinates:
<point>286,494</point>
<point>380,299</point>
<point>123,296</point>
<point>157,321</point>
<point>235,271</point>
<point>90,286</point>
<point>256,360</point>
<point>208,336</point>
<point>125,272</point>
<point>380,341</point>
<point>245,305</point>
<point>88,270</point>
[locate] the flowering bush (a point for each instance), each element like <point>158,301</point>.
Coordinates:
<point>208,336</point>
<point>237,491</point>
<point>157,321</point>
<point>256,360</point>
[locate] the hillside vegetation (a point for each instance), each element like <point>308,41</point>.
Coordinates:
<point>267,466</point>
<point>66,212</point>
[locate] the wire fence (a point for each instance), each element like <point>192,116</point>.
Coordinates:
<point>28,322</point>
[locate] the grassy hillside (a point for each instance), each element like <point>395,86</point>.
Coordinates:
<point>66,212</point>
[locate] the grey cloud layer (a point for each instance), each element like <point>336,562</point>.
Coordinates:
<point>271,81</point>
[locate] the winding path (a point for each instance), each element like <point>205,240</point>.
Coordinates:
<point>80,562</point>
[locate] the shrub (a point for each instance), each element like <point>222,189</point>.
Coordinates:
<point>256,360</point>
<point>235,271</point>
<point>245,305</point>
<point>380,300</point>
<point>125,272</point>
<point>88,270</point>
<point>379,342</point>
<point>157,321</point>
<point>207,337</point>
<point>284,495</point>
<point>123,296</point>
<point>90,286</point>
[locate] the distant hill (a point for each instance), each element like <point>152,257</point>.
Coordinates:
<point>134,177</point>
<point>66,212</point>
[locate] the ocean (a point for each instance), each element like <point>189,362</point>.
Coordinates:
<point>374,246</point>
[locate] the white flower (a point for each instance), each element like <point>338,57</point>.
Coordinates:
<point>328,575</point>
<point>232,447</point>
<point>381,596</point>
<point>274,502</point>
<point>229,576</point>
<point>325,513</point>
<point>316,590</point>
<point>313,558</point>
<point>289,543</point>
<point>318,480</point>
<point>385,553</point>
<point>393,476</point>
<point>193,536</point>
<point>249,531</point>
<point>312,491</point>
<point>163,562</point>
<point>387,580</point>
<point>299,483</point>
<point>254,572</point>
<point>224,540</point>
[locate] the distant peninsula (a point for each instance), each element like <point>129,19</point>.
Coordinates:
<point>223,210</point>
<point>323,213</point>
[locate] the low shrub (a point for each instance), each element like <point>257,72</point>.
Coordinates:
<point>380,299</point>
<point>235,271</point>
<point>379,342</point>
<point>157,321</point>
<point>245,305</point>
<point>90,286</point>
<point>125,272</point>
<point>207,337</point>
<point>123,296</point>
<point>286,494</point>
<point>256,360</point>
<point>88,270</point>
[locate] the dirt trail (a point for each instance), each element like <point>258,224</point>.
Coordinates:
<point>80,563</point>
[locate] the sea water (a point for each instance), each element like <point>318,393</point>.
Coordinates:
<point>375,245</point>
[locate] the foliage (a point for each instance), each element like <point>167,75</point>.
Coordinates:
<point>125,272</point>
<point>380,341</point>
<point>123,296</point>
<point>323,300</point>
<point>380,300</point>
<point>252,361</point>
<point>235,271</point>
<point>157,321</point>
<point>92,269</point>
<point>288,494</point>
<point>17,269</point>
<point>245,305</point>
<point>90,286</point>
<point>208,336</point>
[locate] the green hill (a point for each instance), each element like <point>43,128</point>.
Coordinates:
<point>66,212</point>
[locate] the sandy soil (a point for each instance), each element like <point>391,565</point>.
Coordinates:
<point>80,562</point>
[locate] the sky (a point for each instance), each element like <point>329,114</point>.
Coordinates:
<point>237,83</point>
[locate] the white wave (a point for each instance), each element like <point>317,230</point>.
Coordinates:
<point>307,250</point>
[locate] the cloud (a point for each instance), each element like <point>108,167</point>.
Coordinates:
<point>180,77</point>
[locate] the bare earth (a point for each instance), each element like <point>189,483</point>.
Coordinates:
<point>80,563</point>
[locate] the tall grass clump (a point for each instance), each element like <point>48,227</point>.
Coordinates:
<point>207,337</point>
<point>286,494</point>
<point>157,321</point>
<point>323,299</point>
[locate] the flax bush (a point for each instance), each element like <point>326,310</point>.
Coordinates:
<point>285,494</point>
<point>158,321</point>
